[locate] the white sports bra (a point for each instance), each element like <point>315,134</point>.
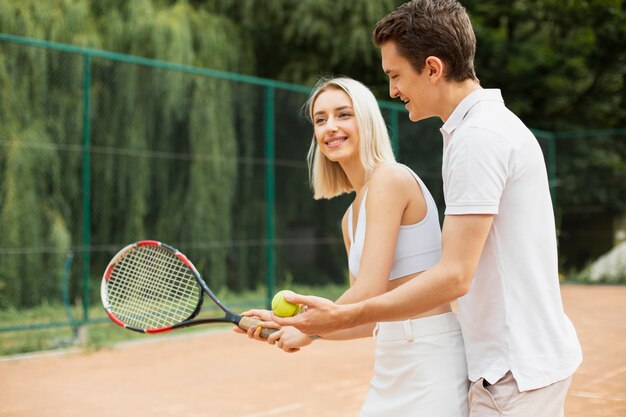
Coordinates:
<point>418,247</point>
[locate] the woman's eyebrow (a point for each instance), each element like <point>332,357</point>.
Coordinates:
<point>336,109</point>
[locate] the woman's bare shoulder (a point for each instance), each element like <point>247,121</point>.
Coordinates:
<point>390,174</point>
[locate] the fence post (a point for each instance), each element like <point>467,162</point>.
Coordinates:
<point>395,132</point>
<point>552,180</point>
<point>270,202</point>
<point>86,255</point>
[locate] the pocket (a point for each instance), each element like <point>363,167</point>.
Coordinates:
<point>481,402</point>
<point>502,391</point>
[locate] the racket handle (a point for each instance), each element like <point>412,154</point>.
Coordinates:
<point>247,322</point>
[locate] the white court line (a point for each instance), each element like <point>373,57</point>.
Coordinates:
<point>595,396</point>
<point>275,411</point>
<point>150,339</point>
<point>608,376</point>
<point>290,407</point>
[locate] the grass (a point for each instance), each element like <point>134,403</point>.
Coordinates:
<point>49,327</point>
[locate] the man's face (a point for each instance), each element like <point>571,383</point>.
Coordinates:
<point>413,88</point>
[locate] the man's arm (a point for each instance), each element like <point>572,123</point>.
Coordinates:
<point>463,239</point>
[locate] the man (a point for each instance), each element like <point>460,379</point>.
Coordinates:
<point>499,255</point>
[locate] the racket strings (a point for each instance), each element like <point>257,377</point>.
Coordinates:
<point>151,288</point>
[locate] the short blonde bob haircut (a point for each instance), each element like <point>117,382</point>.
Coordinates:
<point>326,177</point>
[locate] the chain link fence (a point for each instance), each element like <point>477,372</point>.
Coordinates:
<point>99,149</point>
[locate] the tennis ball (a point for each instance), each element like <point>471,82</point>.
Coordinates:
<point>282,307</point>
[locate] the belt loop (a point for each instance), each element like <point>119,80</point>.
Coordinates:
<point>408,330</point>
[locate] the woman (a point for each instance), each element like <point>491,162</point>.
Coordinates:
<point>391,233</point>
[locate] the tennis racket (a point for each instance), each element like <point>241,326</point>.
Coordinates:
<point>151,287</point>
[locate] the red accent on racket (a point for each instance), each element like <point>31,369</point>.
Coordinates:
<point>151,287</point>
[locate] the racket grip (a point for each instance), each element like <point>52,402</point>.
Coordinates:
<point>247,322</point>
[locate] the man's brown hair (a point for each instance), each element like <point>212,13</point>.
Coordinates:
<point>423,28</point>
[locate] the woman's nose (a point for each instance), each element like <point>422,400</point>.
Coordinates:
<point>331,126</point>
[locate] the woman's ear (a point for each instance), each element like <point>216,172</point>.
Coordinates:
<point>435,67</point>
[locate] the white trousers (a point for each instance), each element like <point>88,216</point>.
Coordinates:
<point>420,369</point>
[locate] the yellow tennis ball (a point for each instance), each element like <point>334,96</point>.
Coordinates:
<point>282,307</point>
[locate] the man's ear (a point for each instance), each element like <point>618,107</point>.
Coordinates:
<point>435,67</point>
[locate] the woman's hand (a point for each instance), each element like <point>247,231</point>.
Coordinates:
<point>255,332</point>
<point>289,339</point>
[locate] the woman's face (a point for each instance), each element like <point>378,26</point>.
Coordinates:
<point>336,130</point>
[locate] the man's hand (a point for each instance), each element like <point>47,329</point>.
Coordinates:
<point>318,315</point>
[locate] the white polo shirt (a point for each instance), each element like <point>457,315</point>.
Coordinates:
<point>512,317</point>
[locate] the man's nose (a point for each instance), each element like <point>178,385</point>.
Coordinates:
<point>393,91</point>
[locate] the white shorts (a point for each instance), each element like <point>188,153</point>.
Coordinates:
<point>420,369</point>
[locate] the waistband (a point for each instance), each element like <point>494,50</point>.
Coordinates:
<point>415,328</point>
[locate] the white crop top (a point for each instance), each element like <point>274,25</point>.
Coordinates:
<point>418,247</point>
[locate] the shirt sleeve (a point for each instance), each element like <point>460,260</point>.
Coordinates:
<point>476,170</point>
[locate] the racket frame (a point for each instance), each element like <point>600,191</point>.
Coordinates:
<point>229,316</point>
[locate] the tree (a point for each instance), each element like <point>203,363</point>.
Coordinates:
<point>561,66</point>
<point>137,115</point>
<point>298,41</point>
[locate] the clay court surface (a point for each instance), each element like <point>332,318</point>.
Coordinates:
<point>224,374</point>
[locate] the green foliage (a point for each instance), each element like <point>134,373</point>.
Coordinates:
<point>136,115</point>
<point>562,65</point>
<point>27,215</point>
<point>297,41</point>
<point>171,152</point>
<point>592,173</point>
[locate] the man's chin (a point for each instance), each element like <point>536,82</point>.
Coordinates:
<point>414,117</point>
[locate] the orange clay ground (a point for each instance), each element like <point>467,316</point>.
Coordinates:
<point>227,375</point>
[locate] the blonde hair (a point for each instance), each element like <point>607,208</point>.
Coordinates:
<point>326,177</point>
